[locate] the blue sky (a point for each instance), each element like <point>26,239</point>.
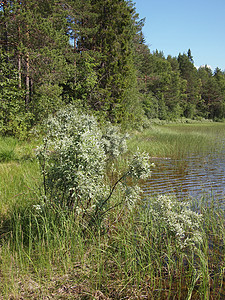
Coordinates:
<point>174,26</point>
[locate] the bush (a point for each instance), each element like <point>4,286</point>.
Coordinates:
<point>74,158</point>
<point>175,220</point>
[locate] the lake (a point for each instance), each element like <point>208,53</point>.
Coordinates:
<point>190,175</point>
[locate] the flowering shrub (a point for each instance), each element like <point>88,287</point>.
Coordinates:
<point>74,158</point>
<point>114,142</point>
<point>176,220</point>
<point>139,166</point>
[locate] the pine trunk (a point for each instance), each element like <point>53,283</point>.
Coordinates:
<point>27,99</point>
<point>6,41</point>
<point>19,54</point>
<point>19,71</point>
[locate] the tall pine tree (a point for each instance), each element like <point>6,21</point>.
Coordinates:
<point>113,43</point>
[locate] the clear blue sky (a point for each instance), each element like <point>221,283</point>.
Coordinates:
<point>174,26</point>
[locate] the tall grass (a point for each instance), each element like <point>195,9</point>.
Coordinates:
<point>7,149</point>
<point>19,174</point>
<point>50,252</point>
<point>175,140</point>
<point>12,149</point>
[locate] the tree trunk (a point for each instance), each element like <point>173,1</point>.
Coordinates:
<point>27,99</point>
<point>19,54</point>
<point>6,41</point>
<point>19,71</point>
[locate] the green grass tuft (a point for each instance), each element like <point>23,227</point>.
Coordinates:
<point>7,149</point>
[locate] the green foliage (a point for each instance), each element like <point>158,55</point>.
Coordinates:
<point>86,79</point>
<point>7,149</point>
<point>160,79</point>
<point>174,88</point>
<point>14,119</point>
<point>114,70</point>
<point>190,74</point>
<point>212,91</point>
<point>92,54</point>
<point>150,106</point>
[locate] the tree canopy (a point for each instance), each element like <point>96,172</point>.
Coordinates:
<point>92,53</point>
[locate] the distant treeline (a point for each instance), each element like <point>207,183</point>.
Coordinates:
<point>173,87</point>
<point>92,53</point>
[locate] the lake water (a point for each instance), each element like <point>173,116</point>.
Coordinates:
<point>195,175</point>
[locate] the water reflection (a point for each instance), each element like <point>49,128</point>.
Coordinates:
<point>192,176</point>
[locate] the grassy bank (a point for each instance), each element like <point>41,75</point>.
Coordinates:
<point>19,174</point>
<point>47,252</point>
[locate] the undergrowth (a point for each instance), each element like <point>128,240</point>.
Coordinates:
<point>155,248</point>
<point>51,252</point>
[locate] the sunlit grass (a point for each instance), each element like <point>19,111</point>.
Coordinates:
<point>7,149</point>
<point>175,140</point>
<point>18,184</point>
<point>19,174</point>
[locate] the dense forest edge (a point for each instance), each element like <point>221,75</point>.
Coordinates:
<point>93,54</point>
<point>75,75</point>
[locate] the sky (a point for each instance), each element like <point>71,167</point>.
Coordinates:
<point>174,26</point>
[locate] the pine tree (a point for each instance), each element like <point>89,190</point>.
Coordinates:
<point>13,117</point>
<point>190,74</point>
<point>114,63</point>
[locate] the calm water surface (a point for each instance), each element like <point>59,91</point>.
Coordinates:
<point>195,175</point>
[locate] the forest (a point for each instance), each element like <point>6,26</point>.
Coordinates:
<point>92,54</point>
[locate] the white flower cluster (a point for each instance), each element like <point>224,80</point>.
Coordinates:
<point>74,158</point>
<point>132,195</point>
<point>140,168</point>
<point>177,220</point>
<point>114,142</point>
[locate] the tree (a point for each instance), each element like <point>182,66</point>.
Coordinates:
<point>161,84</point>
<point>38,41</point>
<point>190,74</point>
<point>214,99</point>
<point>114,60</point>
<point>212,93</point>
<point>190,57</point>
<point>13,119</point>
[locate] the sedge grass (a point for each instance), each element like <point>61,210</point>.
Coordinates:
<point>19,184</point>
<point>176,140</point>
<point>49,252</point>
<point>7,149</point>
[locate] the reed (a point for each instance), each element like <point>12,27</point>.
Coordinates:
<point>47,251</point>
<point>175,140</point>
